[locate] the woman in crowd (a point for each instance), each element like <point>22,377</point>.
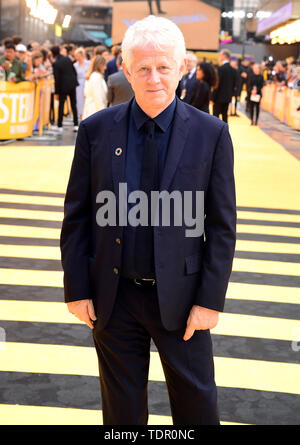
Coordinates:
<point>38,70</point>
<point>95,89</point>
<point>99,50</point>
<point>46,59</point>
<point>81,66</point>
<point>207,79</point>
<point>255,87</point>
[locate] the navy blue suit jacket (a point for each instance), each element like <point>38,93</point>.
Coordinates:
<point>188,270</point>
<point>190,85</point>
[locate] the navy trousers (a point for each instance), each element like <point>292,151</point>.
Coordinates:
<point>123,349</point>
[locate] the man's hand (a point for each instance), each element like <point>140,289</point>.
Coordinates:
<point>6,65</point>
<point>200,318</point>
<point>83,310</point>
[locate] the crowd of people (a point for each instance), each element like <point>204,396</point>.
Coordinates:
<point>222,84</point>
<point>93,78</point>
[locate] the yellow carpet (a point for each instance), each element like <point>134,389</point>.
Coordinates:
<point>267,177</point>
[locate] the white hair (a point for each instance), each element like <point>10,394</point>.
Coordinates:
<point>191,56</point>
<point>80,50</point>
<point>157,31</point>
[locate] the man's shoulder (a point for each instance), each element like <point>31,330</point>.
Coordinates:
<point>116,76</point>
<point>62,60</point>
<point>106,116</point>
<point>111,63</point>
<point>201,119</point>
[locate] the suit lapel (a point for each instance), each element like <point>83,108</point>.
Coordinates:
<point>118,145</point>
<point>177,144</point>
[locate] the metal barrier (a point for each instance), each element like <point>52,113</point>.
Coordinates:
<point>24,107</point>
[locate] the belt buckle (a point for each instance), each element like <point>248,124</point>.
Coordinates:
<point>139,281</point>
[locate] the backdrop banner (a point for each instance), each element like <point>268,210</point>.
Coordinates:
<point>199,22</point>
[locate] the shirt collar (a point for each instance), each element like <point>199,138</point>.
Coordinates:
<point>192,72</point>
<point>163,120</point>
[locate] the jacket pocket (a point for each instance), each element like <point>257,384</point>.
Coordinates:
<point>193,263</point>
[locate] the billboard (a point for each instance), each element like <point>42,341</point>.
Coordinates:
<point>199,22</point>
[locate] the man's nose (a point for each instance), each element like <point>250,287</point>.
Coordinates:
<point>154,76</point>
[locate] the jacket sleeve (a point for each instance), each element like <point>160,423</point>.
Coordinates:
<point>110,91</point>
<point>76,228</point>
<point>219,227</point>
<point>57,80</point>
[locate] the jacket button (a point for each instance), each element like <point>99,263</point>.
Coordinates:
<point>118,241</point>
<point>116,270</point>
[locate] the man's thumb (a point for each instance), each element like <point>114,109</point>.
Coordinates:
<point>91,310</point>
<point>188,332</point>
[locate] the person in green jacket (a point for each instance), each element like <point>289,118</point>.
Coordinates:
<point>13,67</point>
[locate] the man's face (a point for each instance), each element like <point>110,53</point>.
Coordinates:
<point>154,77</point>
<point>222,57</point>
<point>106,55</point>
<point>191,62</point>
<point>21,55</point>
<point>9,54</point>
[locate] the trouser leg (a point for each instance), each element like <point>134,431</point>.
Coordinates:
<point>158,5</point>
<point>188,368</point>
<point>150,6</point>
<point>257,111</point>
<point>72,96</point>
<point>225,112</point>
<point>123,349</point>
<point>62,99</point>
<point>251,111</point>
<point>216,109</point>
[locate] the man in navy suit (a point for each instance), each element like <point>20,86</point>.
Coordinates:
<point>222,95</point>
<point>188,84</point>
<point>130,283</point>
<point>112,65</point>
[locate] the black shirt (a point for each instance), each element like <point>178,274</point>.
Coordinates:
<point>134,157</point>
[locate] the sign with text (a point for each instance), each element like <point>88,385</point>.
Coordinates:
<point>17,103</point>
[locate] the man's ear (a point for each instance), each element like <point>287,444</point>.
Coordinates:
<point>126,72</point>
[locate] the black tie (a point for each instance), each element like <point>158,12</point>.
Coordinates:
<point>144,249</point>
